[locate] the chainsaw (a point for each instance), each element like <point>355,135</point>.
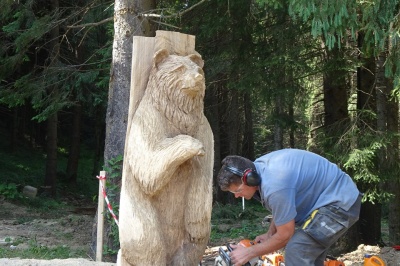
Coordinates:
<point>223,259</point>
<point>274,259</point>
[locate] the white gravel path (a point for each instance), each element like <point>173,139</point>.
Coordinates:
<point>56,262</point>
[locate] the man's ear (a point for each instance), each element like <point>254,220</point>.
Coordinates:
<point>160,56</point>
<point>196,58</point>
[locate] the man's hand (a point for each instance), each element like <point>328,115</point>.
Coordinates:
<point>262,238</point>
<point>268,244</point>
<point>239,255</point>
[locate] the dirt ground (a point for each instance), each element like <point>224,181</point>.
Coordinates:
<point>73,229</point>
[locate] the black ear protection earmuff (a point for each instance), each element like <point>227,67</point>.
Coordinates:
<point>249,176</point>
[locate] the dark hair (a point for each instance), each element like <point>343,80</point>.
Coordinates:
<point>225,177</point>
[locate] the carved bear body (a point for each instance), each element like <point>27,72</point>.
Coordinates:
<point>166,194</point>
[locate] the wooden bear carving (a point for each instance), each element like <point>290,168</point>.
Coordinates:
<point>166,196</point>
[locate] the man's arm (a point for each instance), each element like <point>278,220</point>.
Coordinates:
<point>240,255</point>
<point>271,231</point>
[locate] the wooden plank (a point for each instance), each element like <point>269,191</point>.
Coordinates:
<point>175,42</point>
<point>142,58</point>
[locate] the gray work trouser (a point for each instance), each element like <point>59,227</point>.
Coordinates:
<point>309,245</point>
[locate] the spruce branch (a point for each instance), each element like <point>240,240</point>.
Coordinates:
<point>178,14</point>
<point>91,24</point>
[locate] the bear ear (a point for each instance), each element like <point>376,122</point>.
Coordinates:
<point>159,56</point>
<point>196,58</point>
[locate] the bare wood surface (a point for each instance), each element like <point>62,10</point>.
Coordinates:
<point>175,42</point>
<point>167,129</point>
<point>142,58</point>
<point>143,49</point>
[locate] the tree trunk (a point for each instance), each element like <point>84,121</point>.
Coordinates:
<point>316,121</point>
<point>248,138</point>
<point>394,182</point>
<point>127,24</point>
<point>335,96</point>
<point>51,151</point>
<point>336,119</point>
<point>232,129</point>
<point>74,151</point>
<point>278,129</point>
<point>370,216</point>
<point>292,125</point>
<point>52,120</point>
<point>99,136</point>
<point>14,129</point>
<point>370,223</point>
<point>233,122</point>
<point>387,123</point>
<point>393,152</point>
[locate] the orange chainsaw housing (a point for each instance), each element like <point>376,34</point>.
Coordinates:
<point>333,263</point>
<point>275,259</point>
<point>246,243</point>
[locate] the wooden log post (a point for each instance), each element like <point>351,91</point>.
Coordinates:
<point>100,217</point>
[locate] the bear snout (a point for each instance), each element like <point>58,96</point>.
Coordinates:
<point>192,84</point>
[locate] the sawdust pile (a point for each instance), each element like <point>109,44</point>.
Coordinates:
<point>390,255</point>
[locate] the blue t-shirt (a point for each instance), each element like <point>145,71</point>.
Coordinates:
<point>296,182</point>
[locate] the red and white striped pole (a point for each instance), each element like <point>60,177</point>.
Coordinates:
<point>100,216</point>
<point>110,209</point>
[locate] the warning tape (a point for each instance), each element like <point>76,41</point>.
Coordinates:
<point>105,197</point>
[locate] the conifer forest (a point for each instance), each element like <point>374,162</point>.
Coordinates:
<point>310,74</point>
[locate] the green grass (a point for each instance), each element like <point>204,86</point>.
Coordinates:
<point>40,252</point>
<point>21,167</point>
<point>232,222</point>
<point>27,167</point>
